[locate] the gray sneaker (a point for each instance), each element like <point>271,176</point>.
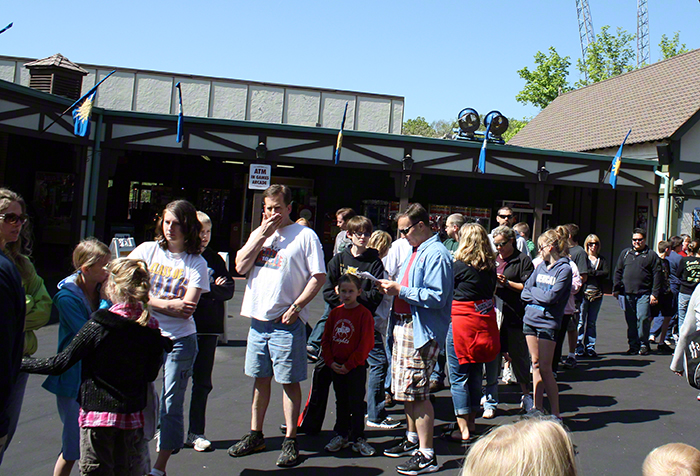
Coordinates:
<point>249,444</point>
<point>290,453</point>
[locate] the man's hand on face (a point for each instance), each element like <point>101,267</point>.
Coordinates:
<point>271,224</point>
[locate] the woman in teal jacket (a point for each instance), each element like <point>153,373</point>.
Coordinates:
<point>78,296</point>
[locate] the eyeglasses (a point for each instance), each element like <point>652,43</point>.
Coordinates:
<point>593,243</point>
<point>543,247</point>
<point>406,230</point>
<point>13,218</point>
<point>362,234</point>
<point>500,245</point>
<point>637,240</point>
<point>505,217</point>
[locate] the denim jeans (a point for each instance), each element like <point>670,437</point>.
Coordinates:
<point>201,381</point>
<point>14,407</point>
<point>465,380</point>
<point>587,324</point>
<point>378,366</point>
<point>493,369</point>
<point>317,333</point>
<point>638,319</point>
<point>177,371</point>
<point>683,300</point>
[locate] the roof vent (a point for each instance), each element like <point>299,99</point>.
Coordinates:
<point>56,75</point>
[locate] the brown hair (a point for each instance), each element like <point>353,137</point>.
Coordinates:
<point>186,215</point>
<point>276,189</point>
<point>349,278</point>
<point>559,242</point>
<point>415,213</point>
<point>358,223</point>
<point>88,252</point>
<point>346,213</point>
<point>20,251</point>
<point>129,282</point>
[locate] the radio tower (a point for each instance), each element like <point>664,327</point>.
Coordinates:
<point>585,27</point>
<point>642,33</point>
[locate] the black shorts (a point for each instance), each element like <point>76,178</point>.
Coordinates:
<point>540,332</point>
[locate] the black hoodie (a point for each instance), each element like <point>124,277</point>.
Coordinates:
<point>369,261</point>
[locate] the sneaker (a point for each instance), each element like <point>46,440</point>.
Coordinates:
<point>361,446</point>
<point>482,402</point>
<point>644,350</point>
<point>404,448</point>
<point>508,376</point>
<point>580,352</point>
<point>418,464</point>
<point>570,363</point>
<point>436,386</point>
<point>698,397</point>
<point>526,403</point>
<point>198,442</point>
<point>632,351</point>
<point>387,424</point>
<point>337,443</point>
<point>389,401</point>
<point>591,353</point>
<point>249,444</point>
<point>664,349</point>
<point>489,413</point>
<point>290,453</point>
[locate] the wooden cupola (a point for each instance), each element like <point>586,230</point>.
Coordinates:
<point>56,75</point>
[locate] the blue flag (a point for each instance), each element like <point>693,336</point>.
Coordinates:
<point>81,115</point>
<point>482,154</point>
<point>617,162</point>
<point>339,143</point>
<point>6,28</point>
<point>179,113</point>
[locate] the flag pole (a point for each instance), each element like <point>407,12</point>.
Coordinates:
<point>76,102</point>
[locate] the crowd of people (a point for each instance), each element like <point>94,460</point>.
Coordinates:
<point>401,319</point>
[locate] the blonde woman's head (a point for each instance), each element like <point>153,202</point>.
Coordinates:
<point>380,241</point>
<point>533,447</point>
<point>475,247</point>
<point>673,459</point>
<point>129,282</point>
<point>89,252</point>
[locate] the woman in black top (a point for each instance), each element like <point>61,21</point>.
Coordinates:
<point>689,275</point>
<point>598,271</point>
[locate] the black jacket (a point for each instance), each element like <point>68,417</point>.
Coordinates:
<point>209,315</point>
<point>638,272</point>
<point>119,357</point>
<point>596,277</point>
<point>518,269</point>
<point>369,261</point>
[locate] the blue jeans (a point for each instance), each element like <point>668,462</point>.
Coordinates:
<point>177,371</point>
<point>14,407</point>
<point>493,369</point>
<point>317,333</point>
<point>587,324</point>
<point>683,300</point>
<point>378,366</point>
<point>637,315</point>
<point>465,380</point>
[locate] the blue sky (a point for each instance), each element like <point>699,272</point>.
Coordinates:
<point>441,56</point>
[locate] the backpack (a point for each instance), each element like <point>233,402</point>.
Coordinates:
<point>691,358</point>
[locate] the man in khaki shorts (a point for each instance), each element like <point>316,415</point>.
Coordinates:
<point>422,309</point>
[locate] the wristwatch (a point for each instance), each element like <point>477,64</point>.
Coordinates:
<point>296,307</point>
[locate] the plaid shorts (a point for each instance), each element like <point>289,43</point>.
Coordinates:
<point>411,367</point>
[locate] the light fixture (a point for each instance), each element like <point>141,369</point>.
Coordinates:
<point>206,157</point>
<point>282,166</point>
<point>261,151</point>
<point>407,163</point>
<point>542,174</point>
<point>468,120</point>
<point>232,162</point>
<point>498,123</point>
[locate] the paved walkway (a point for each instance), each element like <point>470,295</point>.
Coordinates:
<point>618,407</point>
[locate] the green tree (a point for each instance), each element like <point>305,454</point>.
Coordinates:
<point>672,47</point>
<point>417,127</point>
<point>610,55</point>
<point>547,81</point>
<point>443,128</point>
<point>514,126</point>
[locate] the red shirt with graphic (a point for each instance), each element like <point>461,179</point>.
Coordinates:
<point>348,337</point>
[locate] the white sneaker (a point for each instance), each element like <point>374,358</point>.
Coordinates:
<point>387,424</point>
<point>508,376</point>
<point>361,446</point>
<point>489,413</point>
<point>526,403</point>
<point>198,442</point>
<point>337,443</point>
<point>483,400</point>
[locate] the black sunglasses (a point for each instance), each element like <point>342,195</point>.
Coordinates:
<point>505,217</point>
<point>13,218</point>
<point>636,240</point>
<point>406,230</point>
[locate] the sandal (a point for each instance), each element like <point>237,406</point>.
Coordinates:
<point>449,437</point>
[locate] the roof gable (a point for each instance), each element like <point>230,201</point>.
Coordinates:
<point>654,101</point>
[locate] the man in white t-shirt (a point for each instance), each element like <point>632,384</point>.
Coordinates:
<point>285,268</point>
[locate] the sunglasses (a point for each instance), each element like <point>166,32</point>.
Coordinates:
<point>13,218</point>
<point>406,230</point>
<point>505,217</point>
<point>637,240</point>
<point>594,243</point>
<point>500,245</point>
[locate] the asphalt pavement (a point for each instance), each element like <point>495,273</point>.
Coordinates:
<point>618,408</point>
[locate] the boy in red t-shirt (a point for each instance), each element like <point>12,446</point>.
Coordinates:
<point>347,341</point>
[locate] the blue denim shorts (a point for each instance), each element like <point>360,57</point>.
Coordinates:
<point>276,349</point>
<point>540,333</point>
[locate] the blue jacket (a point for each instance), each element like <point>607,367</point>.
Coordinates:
<point>73,312</point>
<point>429,292</point>
<point>546,293</point>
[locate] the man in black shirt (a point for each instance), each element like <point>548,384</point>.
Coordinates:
<point>638,279</point>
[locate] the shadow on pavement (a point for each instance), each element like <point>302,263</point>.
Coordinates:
<point>596,420</point>
<point>305,469</point>
<point>572,402</point>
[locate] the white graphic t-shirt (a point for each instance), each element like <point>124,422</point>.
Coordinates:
<point>281,271</point>
<point>171,275</point>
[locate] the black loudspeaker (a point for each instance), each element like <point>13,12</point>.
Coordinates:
<point>663,151</point>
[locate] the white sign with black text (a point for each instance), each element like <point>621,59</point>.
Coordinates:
<point>259,178</point>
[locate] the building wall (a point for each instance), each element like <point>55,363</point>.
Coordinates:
<point>221,98</point>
